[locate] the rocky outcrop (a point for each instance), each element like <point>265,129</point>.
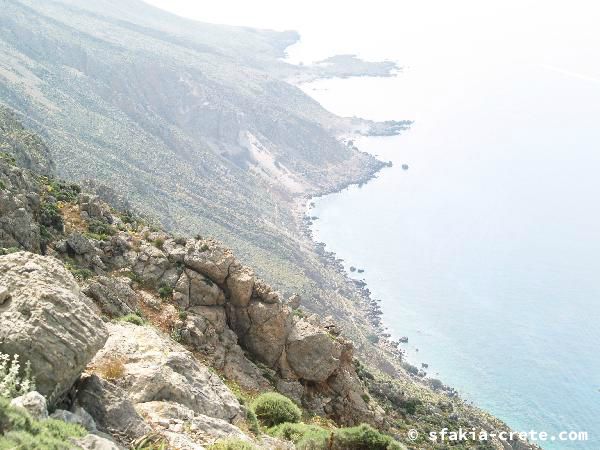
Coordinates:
<point>46,319</point>
<point>313,354</point>
<point>32,402</point>
<point>19,208</point>
<point>179,424</point>
<point>111,409</point>
<point>158,369</point>
<point>114,296</point>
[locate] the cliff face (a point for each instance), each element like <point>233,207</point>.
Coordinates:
<point>146,337</point>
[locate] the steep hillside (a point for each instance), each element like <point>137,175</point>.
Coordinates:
<point>196,126</point>
<point>141,339</point>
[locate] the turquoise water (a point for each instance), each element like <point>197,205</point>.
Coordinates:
<point>485,252</point>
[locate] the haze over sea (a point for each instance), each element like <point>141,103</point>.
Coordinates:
<point>485,252</point>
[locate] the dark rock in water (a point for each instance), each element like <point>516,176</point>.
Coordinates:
<point>403,339</point>
<point>360,270</point>
<point>424,365</point>
<point>404,166</point>
<point>389,164</point>
<point>352,269</point>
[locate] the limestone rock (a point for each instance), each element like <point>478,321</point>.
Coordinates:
<point>170,419</point>
<point>114,296</point>
<point>110,408</point>
<point>95,442</point>
<point>194,289</point>
<point>291,389</point>
<point>47,321</point>
<point>209,258</point>
<point>153,267</point>
<point>240,284</point>
<point>158,369</point>
<point>79,417</point>
<point>311,352</point>
<point>34,403</point>
<point>19,206</point>
<point>265,293</point>
<point>262,329</point>
<point>79,244</point>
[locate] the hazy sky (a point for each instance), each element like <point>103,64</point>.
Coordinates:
<point>563,34</point>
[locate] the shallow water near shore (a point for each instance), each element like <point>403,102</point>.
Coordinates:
<point>484,252</point>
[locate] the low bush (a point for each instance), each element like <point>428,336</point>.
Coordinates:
<point>63,191</point>
<point>133,319</point>
<point>314,437</point>
<point>100,229</point>
<point>19,431</point>
<point>231,444</point>
<point>272,409</point>
<point>165,291</point>
<point>302,435</point>
<point>362,437</point>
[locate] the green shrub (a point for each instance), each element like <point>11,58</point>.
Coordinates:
<point>362,437</point>
<point>272,409</point>
<point>50,216</point>
<point>100,229</point>
<point>9,250</point>
<point>2,185</point>
<point>252,421</point>
<point>231,444</point>
<point>314,437</point>
<point>304,436</point>
<point>165,291</point>
<point>78,272</point>
<point>19,431</point>
<point>63,191</point>
<point>13,382</point>
<point>134,319</point>
<point>159,243</point>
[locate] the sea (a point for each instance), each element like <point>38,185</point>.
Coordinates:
<point>485,251</point>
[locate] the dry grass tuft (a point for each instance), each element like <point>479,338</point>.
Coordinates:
<point>110,368</point>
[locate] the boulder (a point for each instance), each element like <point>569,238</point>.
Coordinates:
<point>114,296</point>
<point>153,267</point>
<point>110,408</point>
<point>262,329</point>
<point>312,353</point>
<point>47,321</point>
<point>291,389</point>
<point>34,403</point>
<point>159,369</point>
<point>78,416</point>
<point>209,258</point>
<point>79,244</point>
<point>264,292</point>
<point>173,419</point>
<point>95,442</point>
<point>194,289</point>
<point>240,284</point>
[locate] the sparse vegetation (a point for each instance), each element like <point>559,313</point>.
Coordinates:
<point>13,380</point>
<point>100,230</point>
<point>79,273</point>
<point>272,409</point>
<point>111,368</point>
<point>134,319</point>
<point>231,444</point>
<point>19,431</point>
<point>165,291</point>
<point>314,437</point>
